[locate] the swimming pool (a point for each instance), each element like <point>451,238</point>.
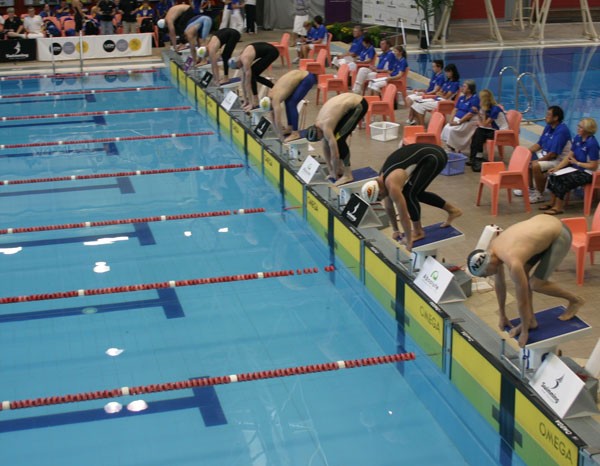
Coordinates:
<point>377,415</point>
<point>567,75</point>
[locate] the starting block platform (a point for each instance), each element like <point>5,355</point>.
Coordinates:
<point>435,237</point>
<point>549,334</point>
<point>361,176</point>
<point>232,84</point>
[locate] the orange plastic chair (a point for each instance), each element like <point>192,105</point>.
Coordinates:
<point>361,65</point>
<point>283,47</point>
<point>584,241</point>
<point>383,107</point>
<point>327,47</point>
<point>505,137</point>
<point>314,66</point>
<point>417,133</point>
<point>67,23</point>
<point>402,83</point>
<point>446,107</point>
<point>329,83</point>
<point>496,177</point>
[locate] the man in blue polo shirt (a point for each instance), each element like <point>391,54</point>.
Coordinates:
<point>386,63</point>
<point>553,145</point>
<point>356,47</point>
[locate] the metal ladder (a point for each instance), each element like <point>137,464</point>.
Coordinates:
<point>520,87</point>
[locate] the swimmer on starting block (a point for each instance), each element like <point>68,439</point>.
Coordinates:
<point>228,39</point>
<point>542,241</point>
<point>290,89</point>
<point>334,124</point>
<point>401,184</point>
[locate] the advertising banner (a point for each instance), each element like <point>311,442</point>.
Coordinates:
<point>111,46</point>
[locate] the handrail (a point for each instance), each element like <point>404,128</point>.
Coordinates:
<point>521,86</point>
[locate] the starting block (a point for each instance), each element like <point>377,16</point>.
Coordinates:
<point>361,176</point>
<point>435,237</point>
<point>257,114</point>
<point>297,149</point>
<point>550,333</point>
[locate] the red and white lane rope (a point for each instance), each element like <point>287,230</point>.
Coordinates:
<point>74,75</point>
<point>99,113</point>
<point>125,221</point>
<point>85,92</point>
<point>100,140</point>
<point>121,174</point>
<point>160,285</point>
<point>208,381</point>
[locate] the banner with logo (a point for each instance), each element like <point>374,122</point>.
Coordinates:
<point>17,50</point>
<point>111,46</point>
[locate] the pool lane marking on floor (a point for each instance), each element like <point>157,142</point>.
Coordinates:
<point>97,120</point>
<point>84,92</point>
<point>141,231</point>
<point>124,221</point>
<point>97,113</point>
<point>115,139</point>
<point>110,148</point>
<point>167,300</point>
<point>122,174</point>
<point>205,399</point>
<point>75,75</point>
<point>208,381</point>
<point>160,285</point>
<point>123,184</point>
<point>89,98</point>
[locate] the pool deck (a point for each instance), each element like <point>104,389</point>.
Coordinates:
<point>460,190</point>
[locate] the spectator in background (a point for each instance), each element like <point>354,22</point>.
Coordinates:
<point>107,10</point>
<point>128,9</point>
<point>583,158</point>
<point>448,90</point>
<point>356,47</point>
<point>396,73</point>
<point>162,6</point>
<point>435,84</point>
<point>463,120</point>
<point>250,10</point>
<point>46,11</point>
<point>316,34</point>
<point>145,11</point>
<point>64,9</point>
<point>79,15</point>
<point>386,63</point>
<point>300,18</point>
<point>491,119</point>
<point>12,24</point>
<point>232,15</point>
<point>33,25</point>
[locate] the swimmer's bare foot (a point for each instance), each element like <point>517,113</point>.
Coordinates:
<point>292,136</point>
<point>572,309</point>
<point>523,332</point>
<point>417,235</point>
<point>344,179</point>
<point>453,212</point>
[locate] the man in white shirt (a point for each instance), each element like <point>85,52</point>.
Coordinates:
<point>33,25</point>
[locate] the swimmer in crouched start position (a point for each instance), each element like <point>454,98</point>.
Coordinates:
<point>402,185</point>
<point>541,242</point>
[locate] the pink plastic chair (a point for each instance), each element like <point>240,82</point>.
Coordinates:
<point>283,47</point>
<point>505,137</point>
<point>417,133</point>
<point>383,107</point>
<point>330,83</point>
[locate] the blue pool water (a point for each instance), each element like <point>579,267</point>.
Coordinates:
<point>384,415</point>
<point>567,75</point>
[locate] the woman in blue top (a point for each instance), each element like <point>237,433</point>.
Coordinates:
<point>583,159</point>
<point>397,72</point>
<point>463,120</point>
<point>447,90</point>
<point>491,118</point>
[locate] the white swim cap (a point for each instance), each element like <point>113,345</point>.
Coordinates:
<point>233,63</point>
<point>265,103</point>
<point>201,51</point>
<point>161,23</point>
<point>478,262</point>
<point>370,191</point>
